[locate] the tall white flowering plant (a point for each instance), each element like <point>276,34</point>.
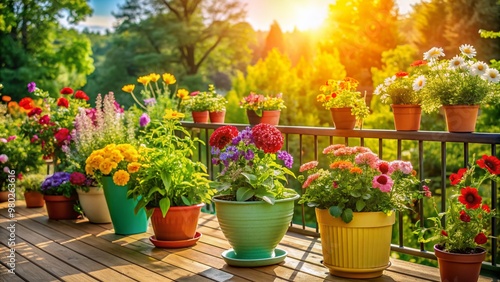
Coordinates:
<point>95,128</point>
<point>461,80</point>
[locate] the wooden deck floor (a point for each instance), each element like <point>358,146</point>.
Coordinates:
<point>75,250</point>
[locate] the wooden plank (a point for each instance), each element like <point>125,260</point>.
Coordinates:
<point>28,270</point>
<point>109,253</point>
<point>51,264</point>
<point>84,264</point>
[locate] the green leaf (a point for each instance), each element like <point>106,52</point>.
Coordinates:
<point>164,206</point>
<point>244,193</point>
<point>140,204</point>
<point>269,199</point>
<point>166,179</point>
<point>366,196</point>
<point>186,201</point>
<point>347,215</point>
<point>335,211</point>
<point>360,204</point>
<point>355,194</point>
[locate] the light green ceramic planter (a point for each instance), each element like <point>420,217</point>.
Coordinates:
<point>254,229</point>
<point>121,209</point>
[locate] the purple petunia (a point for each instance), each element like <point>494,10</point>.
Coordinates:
<point>286,158</point>
<point>55,180</point>
<point>149,102</point>
<point>144,120</point>
<point>31,87</point>
<point>249,155</point>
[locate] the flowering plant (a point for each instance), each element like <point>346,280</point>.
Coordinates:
<point>95,128</point>
<point>32,182</point>
<point>51,124</point>
<point>250,171</point>
<point>258,103</point>
<point>62,183</point>
<point>467,216</point>
<point>120,161</point>
<point>403,87</point>
<point>168,176</point>
<point>461,80</point>
<point>197,101</point>
<point>343,94</point>
<point>358,181</point>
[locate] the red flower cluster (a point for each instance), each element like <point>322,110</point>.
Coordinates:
<point>66,91</point>
<point>77,178</point>
<point>491,163</point>
<point>81,95</point>
<point>27,103</point>
<point>223,136</point>
<point>470,198</point>
<point>455,178</point>
<point>267,138</point>
<point>61,135</point>
<point>62,102</point>
<point>35,111</point>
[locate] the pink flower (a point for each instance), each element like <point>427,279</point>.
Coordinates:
<point>3,158</point>
<point>404,167</point>
<point>310,179</point>
<point>368,158</point>
<point>6,169</point>
<point>383,182</point>
<point>3,140</point>
<point>34,139</point>
<point>308,166</point>
<point>427,192</point>
<point>11,138</point>
<point>332,148</point>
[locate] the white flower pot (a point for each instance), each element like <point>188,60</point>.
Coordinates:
<point>94,205</point>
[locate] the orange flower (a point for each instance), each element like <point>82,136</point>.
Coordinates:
<point>26,103</point>
<point>183,94</point>
<point>154,77</point>
<point>128,88</point>
<point>144,79</point>
<point>169,78</point>
<point>6,98</point>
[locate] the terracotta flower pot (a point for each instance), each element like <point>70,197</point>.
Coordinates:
<point>34,199</point>
<point>269,117</point>
<point>461,118</point>
<point>60,207</point>
<point>217,117</point>
<point>407,117</point>
<point>4,196</point>
<point>200,117</point>
<point>459,267</point>
<point>343,118</point>
<point>179,223</point>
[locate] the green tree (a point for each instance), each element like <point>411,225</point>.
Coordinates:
<point>35,47</point>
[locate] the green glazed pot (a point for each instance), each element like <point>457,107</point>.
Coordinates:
<point>121,209</point>
<point>254,229</point>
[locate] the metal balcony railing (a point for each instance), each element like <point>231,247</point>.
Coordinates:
<point>429,150</point>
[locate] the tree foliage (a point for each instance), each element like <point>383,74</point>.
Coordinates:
<point>35,47</point>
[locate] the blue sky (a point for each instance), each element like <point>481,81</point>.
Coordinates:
<point>261,13</point>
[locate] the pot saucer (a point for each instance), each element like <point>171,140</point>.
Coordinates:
<point>175,244</point>
<point>230,258</point>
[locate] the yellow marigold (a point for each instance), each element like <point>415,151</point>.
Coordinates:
<point>144,79</point>
<point>131,156</point>
<point>109,148</point>
<point>170,114</point>
<point>95,161</point>
<point>183,94</point>
<point>106,166</point>
<point>133,167</point>
<point>89,170</point>
<point>116,156</point>
<point>121,177</point>
<point>128,88</point>
<point>154,77</point>
<point>169,78</point>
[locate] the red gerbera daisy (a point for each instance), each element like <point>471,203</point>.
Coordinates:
<point>267,138</point>
<point>455,178</point>
<point>81,95</point>
<point>480,238</point>
<point>401,74</point>
<point>486,208</point>
<point>383,167</point>
<point>35,111</point>
<point>66,91</point>
<point>464,216</point>
<point>223,136</point>
<point>62,102</point>
<point>470,198</point>
<point>491,163</point>
<point>418,63</point>
<point>26,103</point>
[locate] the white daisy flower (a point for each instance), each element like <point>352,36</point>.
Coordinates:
<point>457,62</point>
<point>388,81</point>
<point>434,53</point>
<point>468,50</point>
<point>492,75</point>
<point>479,68</point>
<point>419,83</point>
<point>378,90</point>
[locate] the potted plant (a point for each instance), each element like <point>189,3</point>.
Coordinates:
<point>466,219</point>
<point>95,128</point>
<point>60,196</point>
<point>31,185</point>
<point>115,167</point>
<point>401,91</point>
<point>251,188</point>
<point>217,105</point>
<point>345,103</point>
<point>171,186</point>
<point>460,85</point>
<point>50,125</point>
<point>199,104</point>
<point>263,108</point>
<point>356,198</point>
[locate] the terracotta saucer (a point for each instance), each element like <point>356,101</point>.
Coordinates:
<point>175,244</point>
